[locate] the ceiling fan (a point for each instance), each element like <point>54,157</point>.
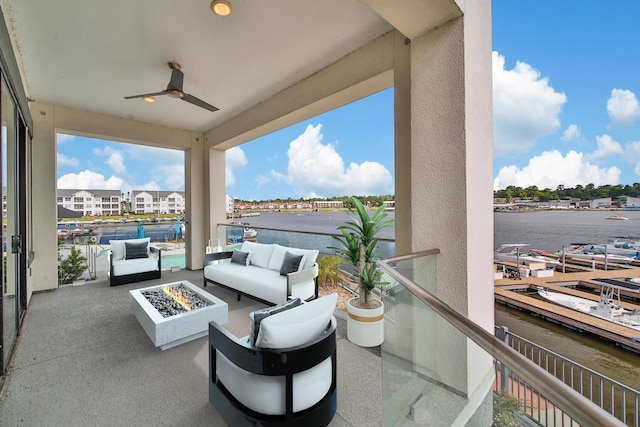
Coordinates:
<point>174,90</point>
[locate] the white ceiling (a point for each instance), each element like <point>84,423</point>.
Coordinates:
<point>89,55</point>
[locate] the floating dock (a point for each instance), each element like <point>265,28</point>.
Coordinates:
<point>580,281</point>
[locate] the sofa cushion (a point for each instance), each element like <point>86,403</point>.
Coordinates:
<point>277,257</point>
<point>291,263</point>
<point>240,257</point>
<point>259,282</point>
<point>133,250</point>
<point>259,315</point>
<point>298,325</point>
<point>117,247</point>
<point>260,253</point>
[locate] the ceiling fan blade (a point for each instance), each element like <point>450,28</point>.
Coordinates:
<point>177,77</point>
<point>200,103</point>
<point>164,92</point>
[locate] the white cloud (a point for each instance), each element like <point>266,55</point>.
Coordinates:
<point>623,107</point>
<point>62,138</point>
<point>115,160</point>
<point>150,186</point>
<point>632,155</point>
<point>273,177</point>
<point>551,168</point>
<point>230,179</point>
<point>172,176</point>
<point>571,133</point>
<point>234,157</point>
<point>606,147</point>
<point>525,107</point>
<point>89,179</point>
<point>317,169</point>
<point>63,160</point>
<point>153,154</point>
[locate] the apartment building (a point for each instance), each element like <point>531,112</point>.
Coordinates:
<point>91,202</point>
<point>157,202</point>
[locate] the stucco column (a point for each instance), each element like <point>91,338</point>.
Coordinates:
<point>44,270</point>
<point>216,190</point>
<point>195,203</point>
<point>444,152</point>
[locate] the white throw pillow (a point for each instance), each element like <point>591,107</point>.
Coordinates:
<point>260,253</point>
<point>298,325</point>
<point>277,257</point>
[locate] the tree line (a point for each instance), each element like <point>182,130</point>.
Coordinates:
<point>587,192</point>
<point>366,200</point>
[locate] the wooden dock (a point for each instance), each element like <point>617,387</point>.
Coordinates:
<point>513,293</point>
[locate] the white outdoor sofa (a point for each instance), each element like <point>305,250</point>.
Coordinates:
<point>269,273</point>
<point>133,260</point>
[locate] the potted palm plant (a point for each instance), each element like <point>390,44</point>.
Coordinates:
<point>358,244</point>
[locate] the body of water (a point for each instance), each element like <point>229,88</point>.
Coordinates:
<point>550,230</point>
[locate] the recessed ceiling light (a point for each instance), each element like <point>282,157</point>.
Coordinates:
<point>149,99</point>
<point>221,7</point>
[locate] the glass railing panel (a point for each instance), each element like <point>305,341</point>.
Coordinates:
<point>439,368</point>
<point>233,235</point>
<point>432,373</point>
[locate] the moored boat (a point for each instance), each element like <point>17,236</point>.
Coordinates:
<point>519,254</point>
<point>627,246</point>
<point>250,232</point>
<point>593,252</point>
<point>607,308</point>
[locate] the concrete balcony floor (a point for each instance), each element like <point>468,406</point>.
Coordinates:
<point>83,359</point>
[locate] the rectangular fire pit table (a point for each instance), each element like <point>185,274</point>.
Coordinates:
<point>175,329</point>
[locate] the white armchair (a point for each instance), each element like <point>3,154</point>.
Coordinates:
<point>288,377</point>
<point>133,260</point>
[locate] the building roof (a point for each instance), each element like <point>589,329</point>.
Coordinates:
<point>67,213</point>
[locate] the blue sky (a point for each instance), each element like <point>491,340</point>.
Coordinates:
<point>565,84</point>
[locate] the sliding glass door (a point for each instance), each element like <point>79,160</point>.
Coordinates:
<point>13,223</point>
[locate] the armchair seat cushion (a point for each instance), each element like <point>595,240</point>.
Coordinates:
<point>136,265</point>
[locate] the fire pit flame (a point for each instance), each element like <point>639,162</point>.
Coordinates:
<point>173,299</point>
<point>178,297</point>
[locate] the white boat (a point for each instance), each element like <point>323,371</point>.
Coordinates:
<point>617,217</point>
<point>627,246</point>
<point>607,308</point>
<point>250,232</point>
<point>593,252</point>
<point>517,253</point>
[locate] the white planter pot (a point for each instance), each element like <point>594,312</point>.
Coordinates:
<point>365,326</point>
